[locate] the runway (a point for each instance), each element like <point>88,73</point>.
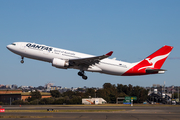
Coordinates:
<point>115,113</point>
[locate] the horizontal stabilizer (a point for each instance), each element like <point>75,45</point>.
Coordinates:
<point>150,71</point>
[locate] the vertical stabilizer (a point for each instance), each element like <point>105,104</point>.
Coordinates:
<point>153,62</point>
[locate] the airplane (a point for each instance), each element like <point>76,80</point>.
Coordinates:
<point>64,59</point>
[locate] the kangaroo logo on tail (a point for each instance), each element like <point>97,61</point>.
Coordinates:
<point>154,62</point>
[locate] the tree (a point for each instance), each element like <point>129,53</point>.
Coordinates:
<point>130,88</point>
<point>59,100</point>
<point>34,95</point>
<point>125,89</point>
<point>46,101</point>
<point>55,93</point>
<point>40,87</point>
<point>176,95</point>
<point>101,93</point>
<point>111,92</point>
<point>107,86</point>
<point>143,95</point>
<point>90,92</point>
<point>19,102</point>
<point>68,93</point>
<point>75,100</point>
<point>119,88</point>
<point>34,102</point>
<point>140,93</point>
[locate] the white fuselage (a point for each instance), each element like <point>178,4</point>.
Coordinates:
<point>47,54</point>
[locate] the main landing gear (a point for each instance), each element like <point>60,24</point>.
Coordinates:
<point>81,73</point>
<point>22,61</point>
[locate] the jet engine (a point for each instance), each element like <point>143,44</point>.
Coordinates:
<point>59,63</point>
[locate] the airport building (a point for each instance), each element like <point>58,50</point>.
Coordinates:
<point>90,101</point>
<point>163,95</point>
<point>8,96</point>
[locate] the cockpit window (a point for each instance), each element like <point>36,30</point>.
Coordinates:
<point>13,44</point>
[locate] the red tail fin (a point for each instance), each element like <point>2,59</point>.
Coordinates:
<point>158,58</point>
<point>154,61</point>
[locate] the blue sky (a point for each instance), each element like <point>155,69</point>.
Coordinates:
<point>132,29</point>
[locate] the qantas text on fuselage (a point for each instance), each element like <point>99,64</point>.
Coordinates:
<point>65,59</point>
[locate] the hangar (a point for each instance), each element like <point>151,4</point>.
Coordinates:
<point>8,96</point>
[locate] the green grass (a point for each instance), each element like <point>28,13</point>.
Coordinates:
<point>103,105</point>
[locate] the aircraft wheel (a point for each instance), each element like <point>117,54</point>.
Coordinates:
<point>84,77</point>
<point>80,73</point>
<point>22,61</point>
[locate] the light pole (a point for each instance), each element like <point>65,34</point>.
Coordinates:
<point>95,93</point>
<point>178,93</point>
<point>10,100</point>
<point>150,93</point>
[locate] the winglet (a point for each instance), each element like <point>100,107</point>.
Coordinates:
<point>109,53</point>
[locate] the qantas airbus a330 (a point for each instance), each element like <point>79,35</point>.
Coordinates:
<point>65,59</point>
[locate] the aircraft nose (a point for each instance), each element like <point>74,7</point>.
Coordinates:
<point>9,47</point>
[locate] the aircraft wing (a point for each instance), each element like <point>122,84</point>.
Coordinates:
<point>90,60</point>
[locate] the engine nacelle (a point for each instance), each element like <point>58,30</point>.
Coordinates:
<point>60,63</point>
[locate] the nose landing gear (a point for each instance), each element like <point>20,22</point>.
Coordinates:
<point>22,61</point>
<point>81,73</point>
